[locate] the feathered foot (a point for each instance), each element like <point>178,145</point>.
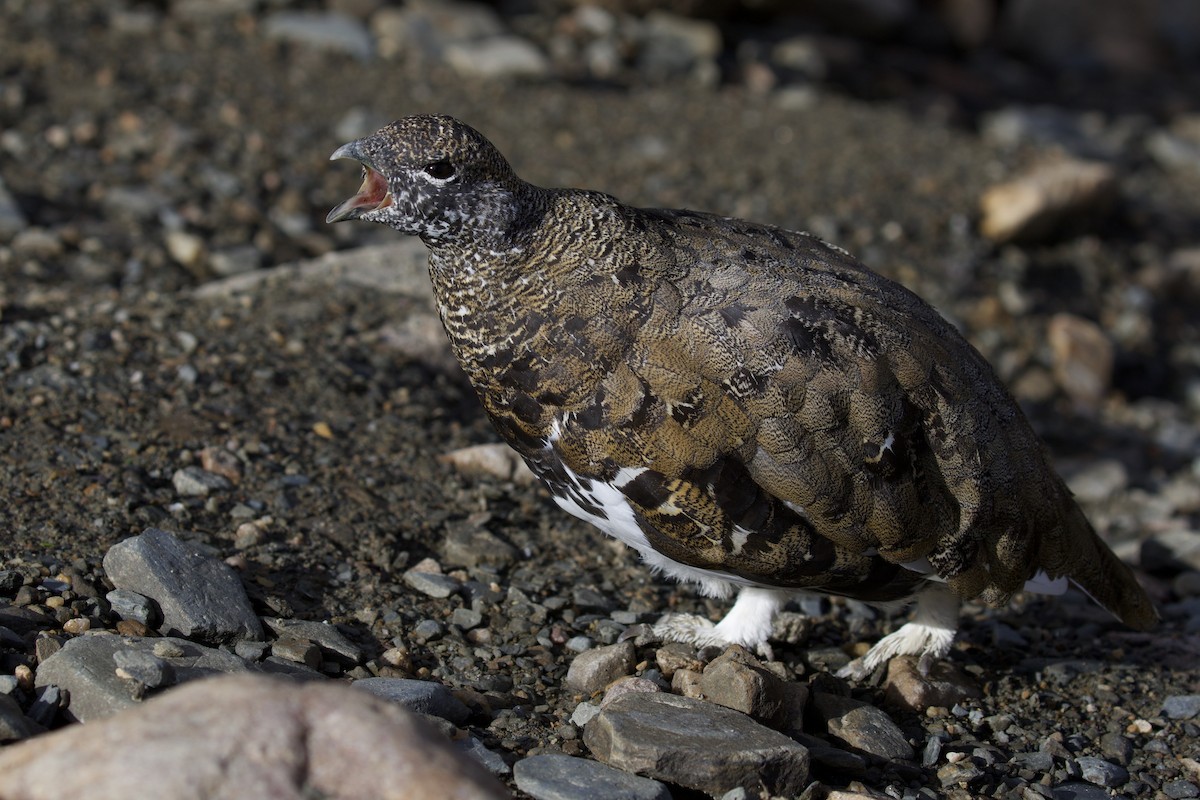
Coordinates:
<point>929,634</point>
<point>748,623</point>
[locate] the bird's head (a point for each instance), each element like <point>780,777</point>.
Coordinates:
<point>434,177</point>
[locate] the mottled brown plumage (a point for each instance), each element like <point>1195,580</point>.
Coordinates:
<point>746,405</point>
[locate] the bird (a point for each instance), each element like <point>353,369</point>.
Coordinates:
<point>750,408</point>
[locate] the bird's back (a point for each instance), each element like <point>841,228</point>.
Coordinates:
<point>799,420</point>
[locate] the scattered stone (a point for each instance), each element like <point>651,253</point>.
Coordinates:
<point>736,680</point>
<point>1080,791</point>
<point>47,702</point>
<point>497,57</point>
<point>471,546</point>
<point>12,219</point>
<point>1085,135</point>
<point>185,248</point>
<point>219,461</point>
<point>674,656</point>
<point>193,481</point>
<point>696,744</point>
<point>1047,200</point>
<point>673,46</point>
<point>1180,789</point>
<point>328,30</point>
<point>251,651</point>
<point>1083,359</point>
<point>802,55</point>
<point>906,688</point>
<point>21,620</point>
<point>554,776</point>
<point>496,460</point>
<point>1169,551</point>
<point>432,584</point>
<point>1094,481</point>
<point>1177,148</point>
<point>427,630</point>
<point>686,682</point>
<point>429,27</point>
<point>237,260</point>
<point>14,724</point>
<point>961,774</point>
<point>86,667</point>
<point>45,646</point>
<point>130,605</point>
<point>466,618</point>
<point>1101,772</point>
<point>10,582</point>
<point>490,760</point>
<point>626,685</point>
<point>584,713</point>
<point>300,651</point>
<point>1039,761</point>
<point>200,597</point>
<point>143,667</point>
<point>332,642</point>
<point>206,741</point>
<point>1116,747</point>
<point>1080,35</point>
<point>1181,706</point>
<point>427,697</point>
<point>594,669</point>
<point>862,726</point>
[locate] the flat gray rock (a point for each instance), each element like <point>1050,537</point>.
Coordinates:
<point>86,667</point>
<point>554,776</point>
<point>696,744</point>
<point>200,597</point>
<point>426,697</point>
<point>862,726</point>
<point>432,584</point>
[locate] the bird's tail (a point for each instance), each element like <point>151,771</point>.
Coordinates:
<point>1084,558</point>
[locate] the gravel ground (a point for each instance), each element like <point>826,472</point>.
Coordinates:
<point>156,161</point>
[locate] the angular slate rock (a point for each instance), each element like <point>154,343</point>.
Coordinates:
<point>426,697</point>
<point>554,776</point>
<point>696,744</point>
<point>862,726</point>
<point>200,597</point>
<point>331,640</point>
<point>1181,706</point>
<point>736,680</point>
<point>22,620</point>
<point>133,606</point>
<point>86,667</point>
<point>490,760</point>
<point>907,688</point>
<point>1101,772</point>
<point>594,669</point>
<point>13,722</point>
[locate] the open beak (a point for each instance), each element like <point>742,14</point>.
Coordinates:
<point>372,195</point>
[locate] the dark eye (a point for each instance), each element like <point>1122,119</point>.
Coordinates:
<point>440,170</point>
